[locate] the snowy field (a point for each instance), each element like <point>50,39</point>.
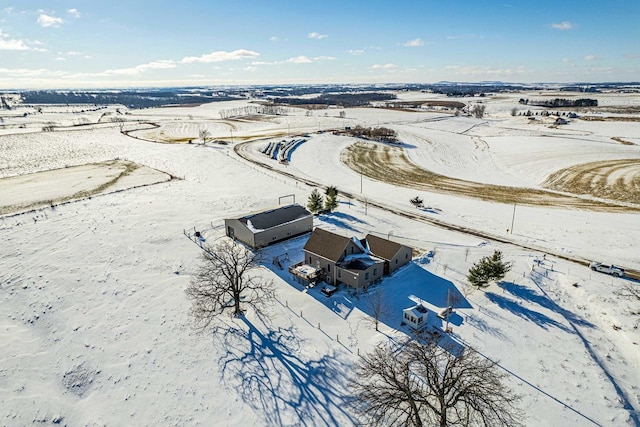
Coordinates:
<point>94,324</point>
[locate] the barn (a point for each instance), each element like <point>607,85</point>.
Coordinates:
<point>264,228</point>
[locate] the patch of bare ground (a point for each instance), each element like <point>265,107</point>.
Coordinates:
<point>622,141</point>
<point>390,164</point>
<point>54,187</point>
<point>609,179</point>
<point>609,119</point>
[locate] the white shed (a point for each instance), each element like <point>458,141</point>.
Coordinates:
<point>415,316</point>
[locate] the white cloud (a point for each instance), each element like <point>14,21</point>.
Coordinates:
<point>567,60</point>
<point>306,60</point>
<point>250,68</point>
<point>317,36</point>
<point>261,63</point>
<point>74,12</point>
<point>49,21</point>
<point>387,66</point>
<point>220,56</point>
<point>300,60</point>
<point>355,52</point>
<point>276,39</point>
<point>590,58</point>
<point>11,44</point>
<point>413,43</point>
<point>60,58</point>
<point>133,71</point>
<point>564,25</point>
<point>74,53</point>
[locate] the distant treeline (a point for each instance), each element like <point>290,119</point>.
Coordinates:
<point>131,99</point>
<point>561,102</point>
<point>274,110</point>
<point>353,99</point>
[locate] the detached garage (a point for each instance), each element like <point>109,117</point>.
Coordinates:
<point>260,229</point>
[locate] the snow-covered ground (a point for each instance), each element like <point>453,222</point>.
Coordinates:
<point>94,324</point>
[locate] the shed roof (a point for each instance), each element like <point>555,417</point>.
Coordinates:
<point>274,217</point>
<point>383,248</point>
<point>326,244</point>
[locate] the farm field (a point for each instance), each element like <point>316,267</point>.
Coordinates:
<point>94,322</point>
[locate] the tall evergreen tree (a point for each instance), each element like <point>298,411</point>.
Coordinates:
<point>315,201</point>
<point>331,198</point>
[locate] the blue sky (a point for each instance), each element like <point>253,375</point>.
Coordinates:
<point>133,43</point>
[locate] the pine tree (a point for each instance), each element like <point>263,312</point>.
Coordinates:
<point>331,200</point>
<point>315,201</point>
<point>488,269</point>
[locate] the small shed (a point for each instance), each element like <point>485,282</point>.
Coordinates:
<point>415,316</point>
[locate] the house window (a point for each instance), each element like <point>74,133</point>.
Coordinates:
<point>351,249</point>
<point>406,256</point>
<point>329,267</point>
<point>396,260</point>
<point>366,276</point>
<point>309,260</point>
<point>274,238</point>
<point>339,273</point>
<point>375,272</point>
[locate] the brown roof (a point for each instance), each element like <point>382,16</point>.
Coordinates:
<point>382,248</point>
<point>326,244</point>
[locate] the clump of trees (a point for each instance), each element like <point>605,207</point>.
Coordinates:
<point>317,204</point>
<point>477,111</point>
<point>224,282</point>
<point>251,110</point>
<point>419,383</point>
<point>487,269</point>
<point>377,134</point>
<point>417,202</point>
<point>561,102</point>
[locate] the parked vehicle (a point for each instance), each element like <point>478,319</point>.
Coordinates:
<point>609,269</point>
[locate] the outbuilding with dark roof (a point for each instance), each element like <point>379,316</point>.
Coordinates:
<point>263,228</point>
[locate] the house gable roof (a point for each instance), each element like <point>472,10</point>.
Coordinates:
<point>326,244</point>
<point>382,248</point>
<point>270,218</point>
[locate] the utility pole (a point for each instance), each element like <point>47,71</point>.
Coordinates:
<point>513,218</point>
<point>360,182</point>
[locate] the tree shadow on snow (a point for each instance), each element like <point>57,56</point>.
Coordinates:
<point>337,221</point>
<point>274,379</point>
<point>530,295</point>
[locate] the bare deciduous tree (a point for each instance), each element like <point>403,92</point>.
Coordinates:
<point>204,134</point>
<point>378,306</point>
<point>632,293</point>
<point>420,384</point>
<point>224,282</point>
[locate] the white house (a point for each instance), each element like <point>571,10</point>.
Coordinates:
<point>415,316</point>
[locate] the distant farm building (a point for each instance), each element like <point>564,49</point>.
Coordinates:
<point>260,229</point>
<point>356,263</point>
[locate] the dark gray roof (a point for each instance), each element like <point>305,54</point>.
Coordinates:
<point>274,217</point>
<point>326,244</point>
<point>382,248</point>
